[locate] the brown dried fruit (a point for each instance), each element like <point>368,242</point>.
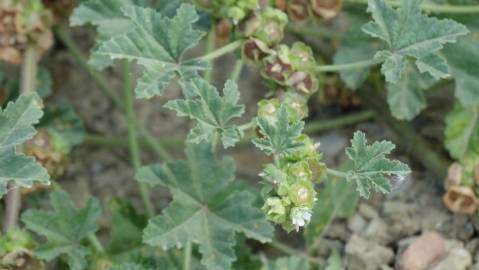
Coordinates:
<point>223,31</point>
<point>461,199</point>
<point>21,259</point>
<point>255,50</point>
<point>326,9</point>
<point>299,10</point>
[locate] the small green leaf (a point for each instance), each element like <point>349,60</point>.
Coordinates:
<point>287,263</point>
<point>279,137</point>
<point>157,43</point>
<point>64,227</point>
<point>409,33</point>
<point>370,165</point>
<point>462,131</point>
<point>16,126</point>
<point>206,208</point>
<point>334,262</point>
<point>406,97</point>
<point>463,60</point>
<point>213,112</point>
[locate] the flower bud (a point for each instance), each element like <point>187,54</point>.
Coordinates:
<point>275,210</point>
<point>300,216</point>
<point>275,69</point>
<point>268,109</point>
<point>296,105</point>
<point>250,25</point>
<point>299,171</point>
<point>302,193</point>
<point>273,22</point>
<point>302,57</point>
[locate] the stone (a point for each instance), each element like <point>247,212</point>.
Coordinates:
<point>367,211</point>
<point>356,223</point>
<point>361,254</point>
<point>457,258</point>
<point>377,231</point>
<point>423,252</point>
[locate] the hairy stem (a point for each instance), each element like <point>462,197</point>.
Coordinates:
<point>210,47</point>
<point>134,146</point>
<point>294,252</point>
<point>108,91</point>
<point>345,120</point>
<point>28,80</point>
<point>336,173</point>
<point>96,244</point>
<point>430,7</point>
<point>236,73</point>
<point>221,51</point>
<point>349,66</point>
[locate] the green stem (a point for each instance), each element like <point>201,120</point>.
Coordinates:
<point>133,144</point>
<point>210,47</point>
<point>112,141</point>
<point>221,51</point>
<point>187,256</point>
<point>314,31</point>
<point>430,7</point>
<point>349,66</point>
<point>336,173</point>
<point>13,199</point>
<point>294,252</point>
<point>350,119</point>
<point>96,244</point>
<point>236,73</point>
<point>108,91</point>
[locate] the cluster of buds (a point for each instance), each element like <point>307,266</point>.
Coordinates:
<point>16,251</point>
<point>302,10</point>
<point>235,10</point>
<point>462,185</point>
<point>49,150</point>
<point>23,23</point>
<point>289,182</point>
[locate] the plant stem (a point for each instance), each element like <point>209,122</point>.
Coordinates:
<point>187,256</point>
<point>291,251</point>
<point>134,146</point>
<point>349,66</point>
<point>314,32</point>
<point>96,243</point>
<point>221,51</point>
<point>112,141</point>
<point>430,7</point>
<point>210,47</point>
<point>336,173</point>
<point>29,77</point>
<point>350,119</point>
<point>107,91</point>
<point>236,73</point>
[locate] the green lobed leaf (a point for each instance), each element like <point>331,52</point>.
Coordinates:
<point>109,19</point>
<point>462,131</point>
<point>206,208</point>
<point>64,228</point>
<point>157,43</point>
<point>406,97</point>
<point>286,263</point>
<point>409,33</point>
<point>463,60</point>
<point>16,126</point>
<point>370,165</point>
<point>213,112</point>
<point>279,137</point>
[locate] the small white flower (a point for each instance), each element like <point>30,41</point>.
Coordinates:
<point>300,216</point>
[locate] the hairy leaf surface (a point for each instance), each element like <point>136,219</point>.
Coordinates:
<point>409,33</point>
<point>462,131</point>
<point>16,126</point>
<point>286,263</point>
<point>64,227</point>
<point>370,165</point>
<point>206,208</point>
<point>279,137</point>
<point>157,43</point>
<point>213,112</point>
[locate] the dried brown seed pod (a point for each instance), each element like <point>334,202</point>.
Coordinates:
<point>461,199</point>
<point>255,50</point>
<point>21,259</point>
<point>326,9</point>
<point>454,175</point>
<point>223,31</point>
<point>298,10</point>
<point>13,39</point>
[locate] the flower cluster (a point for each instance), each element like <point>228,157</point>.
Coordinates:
<point>289,182</point>
<point>462,187</point>
<point>302,10</point>
<point>20,24</point>
<point>233,9</point>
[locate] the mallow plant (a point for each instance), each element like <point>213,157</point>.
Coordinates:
<point>392,45</point>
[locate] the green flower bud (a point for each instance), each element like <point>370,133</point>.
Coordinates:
<point>299,171</point>
<point>296,105</point>
<point>275,210</point>
<point>273,22</point>
<point>302,193</point>
<point>268,109</point>
<point>306,152</point>
<point>302,57</point>
<point>236,14</point>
